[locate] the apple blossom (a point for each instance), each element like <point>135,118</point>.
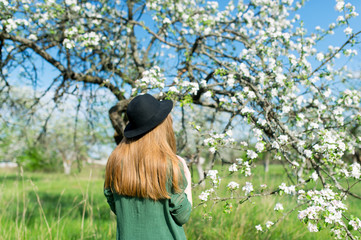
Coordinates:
<point>248,188</point>
<point>312,227</point>
<point>251,154</point>
<point>233,168</point>
<point>232,185</point>
<point>259,228</point>
<point>269,224</point>
<point>278,207</point>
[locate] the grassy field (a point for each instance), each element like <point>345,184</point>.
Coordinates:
<point>55,206</point>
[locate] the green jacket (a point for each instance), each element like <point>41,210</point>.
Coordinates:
<point>146,219</point>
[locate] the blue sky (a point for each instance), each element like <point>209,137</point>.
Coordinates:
<point>322,13</point>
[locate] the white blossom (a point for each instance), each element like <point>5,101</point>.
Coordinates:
<point>283,139</point>
<point>213,175</point>
<point>348,31</point>
<point>230,80</point>
<point>356,170</point>
<point>173,89</point>
<point>285,109</point>
<point>208,94</point>
<point>251,154</point>
<point>339,6</point>
<point>248,188</point>
<point>312,227</point>
<point>5,2</point>
<point>278,207</point>
<point>70,2</point>
<point>205,194</point>
<point>288,190</point>
<point>314,176</point>
<point>269,224</point>
<point>340,19</point>
<point>308,153</point>
<point>167,21</point>
<point>275,145</point>
<point>229,132</point>
<point>232,185</point>
<point>212,149</point>
<point>233,168</point>
<point>259,146</point>
<point>257,132</point>
<point>259,228</point>
<point>246,110</point>
<point>262,122</point>
<point>356,224</point>
<point>251,95</point>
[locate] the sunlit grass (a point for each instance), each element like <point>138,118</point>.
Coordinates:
<point>55,206</point>
<point>241,221</point>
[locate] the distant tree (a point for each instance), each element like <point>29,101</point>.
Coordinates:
<point>45,136</point>
<point>254,60</point>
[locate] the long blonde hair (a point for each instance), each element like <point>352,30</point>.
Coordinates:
<point>142,167</point>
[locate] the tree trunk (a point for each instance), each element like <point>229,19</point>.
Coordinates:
<point>357,156</point>
<point>118,118</point>
<point>266,161</point>
<point>67,167</point>
<point>200,170</point>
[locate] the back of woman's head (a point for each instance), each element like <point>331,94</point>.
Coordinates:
<point>142,167</point>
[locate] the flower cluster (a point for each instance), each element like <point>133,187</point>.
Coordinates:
<point>350,97</point>
<point>288,190</point>
<point>11,24</point>
<point>355,223</point>
<point>217,140</point>
<point>251,154</point>
<point>323,205</point>
<point>332,146</point>
<point>183,87</point>
<point>248,188</point>
<point>215,179</point>
<point>355,170</point>
<point>205,194</point>
<point>268,225</point>
<point>244,166</point>
<point>152,78</point>
<point>278,207</point>
<point>232,186</point>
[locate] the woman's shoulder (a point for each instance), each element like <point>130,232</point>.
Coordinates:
<point>182,164</point>
<point>181,159</point>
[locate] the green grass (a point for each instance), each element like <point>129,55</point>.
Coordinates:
<point>241,221</point>
<point>55,206</point>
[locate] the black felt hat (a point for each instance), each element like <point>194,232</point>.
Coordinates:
<point>145,113</point>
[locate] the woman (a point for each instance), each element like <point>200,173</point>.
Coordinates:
<point>147,185</point>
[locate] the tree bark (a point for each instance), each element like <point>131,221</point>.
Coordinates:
<point>118,118</point>
<point>67,167</point>
<point>200,170</point>
<point>266,161</point>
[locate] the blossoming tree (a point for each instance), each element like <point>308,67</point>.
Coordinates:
<point>253,60</point>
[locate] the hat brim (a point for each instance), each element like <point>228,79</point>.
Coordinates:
<point>165,107</point>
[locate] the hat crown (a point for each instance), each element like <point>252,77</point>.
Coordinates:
<point>141,109</point>
<point>145,113</point>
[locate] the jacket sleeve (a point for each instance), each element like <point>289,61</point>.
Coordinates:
<point>110,199</point>
<point>180,207</point>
